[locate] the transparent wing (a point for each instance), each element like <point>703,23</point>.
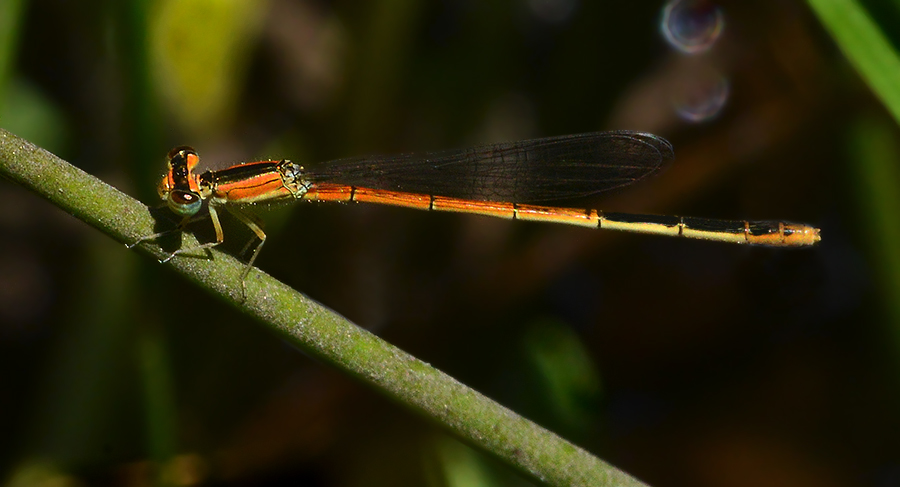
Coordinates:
<point>554,168</point>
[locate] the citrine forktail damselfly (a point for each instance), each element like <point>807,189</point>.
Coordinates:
<point>500,180</point>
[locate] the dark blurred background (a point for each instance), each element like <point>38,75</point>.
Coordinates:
<point>685,363</point>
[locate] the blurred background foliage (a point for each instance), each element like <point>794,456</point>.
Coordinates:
<point>684,363</point>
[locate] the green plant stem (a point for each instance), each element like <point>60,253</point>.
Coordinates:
<point>318,331</point>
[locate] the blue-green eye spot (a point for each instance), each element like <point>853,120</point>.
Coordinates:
<point>184,203</point>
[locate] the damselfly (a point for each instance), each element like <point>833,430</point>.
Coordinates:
<point>501,180</point>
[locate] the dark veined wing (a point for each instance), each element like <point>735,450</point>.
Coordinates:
<point>553,168</point>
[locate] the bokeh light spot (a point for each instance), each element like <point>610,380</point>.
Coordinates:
<point>703,98</point>
<point>692,26</point>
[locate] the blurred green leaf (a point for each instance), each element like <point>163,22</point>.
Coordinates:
<point>159,394</point>
<point>36,473</point>
<point>200,52</point>
<point>10,20</point>
<point>26,112</point>
<point>86,387</point>
<point>865,45</point>
<point>461,466</point>
<point>567,373</point>
<point>874,150</point>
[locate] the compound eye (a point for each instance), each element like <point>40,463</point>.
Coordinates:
<point>181,150</point>
<point>184,203</point>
